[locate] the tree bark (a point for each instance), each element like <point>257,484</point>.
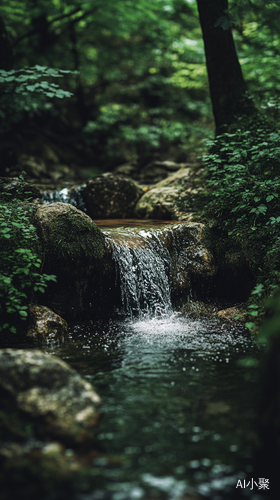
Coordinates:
<point>6,53</point>
<point>228,90</point>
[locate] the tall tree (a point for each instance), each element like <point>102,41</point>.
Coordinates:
<point>229,95</point>
<point>6,53</point>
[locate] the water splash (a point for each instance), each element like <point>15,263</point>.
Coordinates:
<point>143,266</point>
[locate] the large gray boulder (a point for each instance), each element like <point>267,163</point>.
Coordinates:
<point>48,419</point>
<point>52,396</point>
<point>75,253</point>
<point>171,199</point>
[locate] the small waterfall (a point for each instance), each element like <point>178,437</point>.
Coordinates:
<point>73,196</point>
<point>143,266</point>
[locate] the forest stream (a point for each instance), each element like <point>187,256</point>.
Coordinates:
<point>178,410</point>
<point>179,402</point>
<point>140,359</point>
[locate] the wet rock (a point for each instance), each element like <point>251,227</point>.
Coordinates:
<point>197,310</point>
<point>53,399</point>
<point>111,197</point>
<point>172,198</point>
<point>192,262</point>
<point>234,314</point>
<point>13,187</point>
<point>156,171</point>
<point>75,252</point>
<point>48,416</point>
<point>45,324</point>
<point>181,249</point>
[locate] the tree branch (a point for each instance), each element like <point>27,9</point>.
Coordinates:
<point>58,18</point>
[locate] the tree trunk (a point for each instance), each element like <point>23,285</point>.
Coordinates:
<point>228,90</point>
<point>6,53</point>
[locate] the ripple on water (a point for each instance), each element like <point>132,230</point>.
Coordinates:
<point>178,410</point>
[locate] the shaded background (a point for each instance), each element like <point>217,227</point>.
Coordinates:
<point>138,82</point>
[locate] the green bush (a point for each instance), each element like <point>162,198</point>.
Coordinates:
<point>27,91</point>
<point>243,168</point>
<point>20,264</point>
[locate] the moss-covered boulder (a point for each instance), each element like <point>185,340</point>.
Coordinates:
<point>173,198</point>
<point>198,310</point>
<point>48,417</point>
<point>111,197</point>
<point>50,393</point>
<point>74,249</point>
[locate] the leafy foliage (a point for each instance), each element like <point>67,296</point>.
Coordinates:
<point>20,264</point>
<point>141,70</point>
<point>244,181</point>
<point>25,91</point>
<point>141,75</point>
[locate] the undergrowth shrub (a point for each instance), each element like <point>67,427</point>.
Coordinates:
<point>26,92</point>
<point>244,184</point>
<point>20,262</point>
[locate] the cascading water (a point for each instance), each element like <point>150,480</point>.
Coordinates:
<point>173,390</point>
<point>72,196</point>
<point>143,266</point>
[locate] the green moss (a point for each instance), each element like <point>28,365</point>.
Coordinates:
<point>74,240</point>
<point>75,252</point>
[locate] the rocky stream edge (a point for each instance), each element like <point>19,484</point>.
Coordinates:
<point>43,399</point>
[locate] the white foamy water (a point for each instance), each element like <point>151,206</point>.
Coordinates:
<point>143,266</point>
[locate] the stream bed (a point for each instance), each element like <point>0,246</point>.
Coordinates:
<point>180,396</point>
<point>179,406</point>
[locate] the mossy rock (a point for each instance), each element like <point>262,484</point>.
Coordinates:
<point>47,409</point>
<point>111,197</point>
<point>173,198</point>
<point>75,252</point>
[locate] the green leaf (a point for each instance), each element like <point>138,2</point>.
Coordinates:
<point>262,209</point>
<point>23,313</point>
<point>249,325</point>
<point>258,289</point>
